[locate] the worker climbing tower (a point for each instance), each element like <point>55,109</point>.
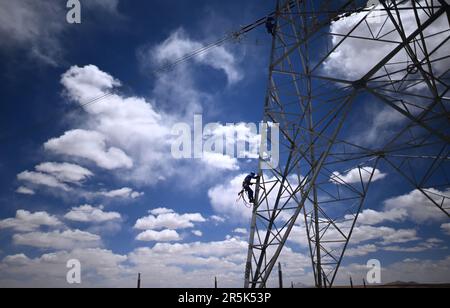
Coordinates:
<point>360,91</point>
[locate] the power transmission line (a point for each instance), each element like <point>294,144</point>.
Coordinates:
<point>164,68</point>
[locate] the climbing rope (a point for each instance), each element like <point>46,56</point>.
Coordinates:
<point>242,197</point>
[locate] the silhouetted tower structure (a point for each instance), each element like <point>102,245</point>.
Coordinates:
<point>319,188</point>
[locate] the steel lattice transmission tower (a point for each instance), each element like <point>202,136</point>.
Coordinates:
<point>328,159</point>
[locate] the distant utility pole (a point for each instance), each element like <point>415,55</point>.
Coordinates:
<point>351,282</point>
<point>364,283</point>
<point>139,281</point>
<point>215,282</point>
<point>280,275</point>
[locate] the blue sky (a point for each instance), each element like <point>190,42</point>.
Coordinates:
<point>99,184</point>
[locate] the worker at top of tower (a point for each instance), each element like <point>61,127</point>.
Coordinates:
<point>246,186</point>
<point>270,25</point>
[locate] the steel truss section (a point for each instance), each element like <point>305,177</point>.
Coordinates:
<point>316,193</point>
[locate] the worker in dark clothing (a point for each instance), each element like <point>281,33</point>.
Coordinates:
<point>246,186</point>
<point>270,25</point>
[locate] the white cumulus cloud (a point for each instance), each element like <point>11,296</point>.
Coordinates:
<point>27,221</point>
<point>25,191</point>
<point>372,217</point>
<point>419,207</point>
<point>197,233</point>
<point>90,145</point>
<point>67,239</point>
<point>240,231</point>
<point>124,192</point>
<point>159,236</point>
<point>39,178</point>
<point>88,213</point>
<point>357,175</point>
<point>65,172</point>
<point>446,228</point>
<point>161,210</point>
<point>169,220</point>
<point>179,45</point>
<point>361,250</point>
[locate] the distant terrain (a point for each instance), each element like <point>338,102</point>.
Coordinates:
<point>401,284</point>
